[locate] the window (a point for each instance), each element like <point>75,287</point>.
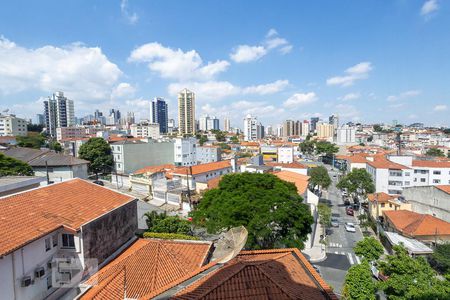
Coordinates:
<point>47,244</point>
<point>422,179</point>
<point>436,172</point>
<point>436,181</point>
<point>55,240</point>
<point>406,182</point>
<point>406,173</point>
<point>68,240</point>
<point>49,281</point>
<point>390,205</point>
<point>382,204</point>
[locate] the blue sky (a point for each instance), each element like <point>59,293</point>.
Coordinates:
<point>367,61</point>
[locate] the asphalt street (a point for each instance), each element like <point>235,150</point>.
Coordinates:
<point>340,255</point>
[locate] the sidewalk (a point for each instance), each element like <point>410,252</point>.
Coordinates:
<point>316,253</point>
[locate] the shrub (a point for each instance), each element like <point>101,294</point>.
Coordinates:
<point>169,236</point>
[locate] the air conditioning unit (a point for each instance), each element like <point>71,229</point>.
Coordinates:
<point>39,272</point>
<point>26,281</point>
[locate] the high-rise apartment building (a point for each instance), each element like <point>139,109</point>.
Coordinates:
<point>250,128</point>
<point>226,124</point>
<point>186,112</point>
<point>314,122</point>
<point>40,119</point>
<point>305,128</point>
<point>159,113</point>
<point>334,120</point>
<point>325,130</point>
<point>59,112</point>
<point>288,128</point>
<point>213,124</point>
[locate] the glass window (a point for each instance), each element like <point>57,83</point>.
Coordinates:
<point>436,181</point>
<point>437,172</point>
<point>47,244</point>
<point>49,281</point>
<point>382,204</point>
<point>55,240</point>
<point>422,179</point>
<point>68,240</point>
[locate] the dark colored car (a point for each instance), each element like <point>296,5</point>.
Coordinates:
<point>350,211</point>
<point>99,182</point>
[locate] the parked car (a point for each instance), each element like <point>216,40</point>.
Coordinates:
<point>99,182</point>
<point>334,222</point>
<point>350,227</point>
<point>350,211</point>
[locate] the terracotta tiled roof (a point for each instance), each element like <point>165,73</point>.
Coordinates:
<point>263,274</point>
<point>154,169</point>
<point>300,181</point>
<point>250,144</point>
<point>214,183</point>
<point>203,168</point>
<point>383,163</point>
<point>149,265</point>
<point>380,197</point>
<point>430,164</point>
<point>444,188</point>
<point>27,216</point>
<point>292,165</point>
<point>415,224</point>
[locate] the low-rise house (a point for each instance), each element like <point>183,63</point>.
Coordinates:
<point>164,269</point>
<point>14,184</point>
<point>207,154</point>
<point>59,167</point>
<point>204,172</point>
<point>285,154</point>
<point>389,177</point>
<point>429,172</point>
<point>53,235</point>
<point>295,167</point>
<point>432,200</point>
<point>425,228</point>
<point>380,202</point>
<point>73,132</point>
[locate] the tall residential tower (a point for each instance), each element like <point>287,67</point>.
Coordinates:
<point>159,114</point>
<point>186,112</point>
<point>58,112</point>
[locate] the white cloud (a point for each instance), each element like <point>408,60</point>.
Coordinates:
<point>265,89</point>
<point>132,18</point>
<point>440,107</point>
<point>122,90</point>
<point>350,96</point>
<point>357,72</point>
<point>403,95</point>
<point>82,72</point>
<point>176,64</point>
<point>300,99</point>
<point>216,90</point>
<point>247,53</point>
<point>428,7</point>
<point>348,112</point>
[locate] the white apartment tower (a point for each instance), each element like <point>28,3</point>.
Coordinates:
<point>250,128</point>
<point>227,124</point>
<point>58,112</point>
<point>186,112</point>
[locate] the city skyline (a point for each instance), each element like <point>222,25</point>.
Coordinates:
<point>371,62</point>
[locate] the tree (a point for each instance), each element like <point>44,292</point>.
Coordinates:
<point>234,139</point>
<point>55,146</point>
<point>319,178</point>
<point>364,221</point>
<point>377,128</point>
<point>224,146</point>
<point>358,183</point>
<point>323,147</point>
<point>411,278</point>
<point>202,139</point>
<point>369,248</point>
<point>358,284</point>
<point>435,152</point>
<point>220,135</point>
<point>307,147</point>
<point>269,208</point>
<point>162,223</point>
<point>440,258</point>
<point>35,127</point>
<point>98,152</point>
<point>32,140</point>
<point>324,214</point>
<point>10,166</point>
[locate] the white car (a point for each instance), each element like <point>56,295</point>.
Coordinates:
<point>350,227</point>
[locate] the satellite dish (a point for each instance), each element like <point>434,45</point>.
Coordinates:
<point>230,244</point>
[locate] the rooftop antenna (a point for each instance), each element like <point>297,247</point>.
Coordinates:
<point>230,244</point>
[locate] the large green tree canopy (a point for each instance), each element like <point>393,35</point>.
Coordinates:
<point>319,178</point>
<point>369,248</point>
<point>357,182</point>
<point>10,166</point>
<point>270,209</point>
<point>98,152</point>
<point>358,283</point>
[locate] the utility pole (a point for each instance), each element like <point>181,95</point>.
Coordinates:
<point>46,172</point>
